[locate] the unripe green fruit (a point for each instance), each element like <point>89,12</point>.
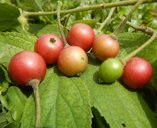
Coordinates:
<point>110,70</point>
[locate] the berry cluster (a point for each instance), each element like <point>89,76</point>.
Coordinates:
<point>29,68</point>
<point>72,59</point>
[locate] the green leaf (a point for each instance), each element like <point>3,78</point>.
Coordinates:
<point>64,103</point>
<point>9,117</point>
<point>4,76</point>
<point>13,42</point>
<point>4,86</point>
<point>36,5</point>
<point>118,105</point>
<point>35,28</point>
<point>131,41</point>
<point>3,120</point>
<point>8,16</point>
<point>49,29</point>
<point>16,102</point>
<point>12,125</point>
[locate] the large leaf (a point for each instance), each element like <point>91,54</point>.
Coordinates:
<point>64,103</point>
<point>118,105</point>
<point>8,16</point>
<point>13,42</point>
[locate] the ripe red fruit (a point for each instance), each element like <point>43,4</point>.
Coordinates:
<point>72,60</point>
<point>81,35</point>
<point>49,47</point>
<point>137,73</point>
<point>105,46</point>
<point>26,66</point>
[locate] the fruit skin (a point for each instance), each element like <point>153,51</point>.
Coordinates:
<point>137,73</point>
<point>72,60</point>
<point>110,70</point>
<point>81,35</point>
<point>105,46</point>
<point>48,49</point>
<point>25,66</point>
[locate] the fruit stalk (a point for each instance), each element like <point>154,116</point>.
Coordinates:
<point>89,7</point>
<point>59,4</point>
<point>140,48</point>
<point>35,85</point>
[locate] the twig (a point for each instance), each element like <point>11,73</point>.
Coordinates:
<point>144,29</point>
<point>123,22</point>
<point>89,7</point>
<point>106,20</point>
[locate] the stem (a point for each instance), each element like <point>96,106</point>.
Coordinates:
<point>106,20</point>
<point>153,13</point>
<point>59,22</point>
<point>146,30</point>
<point>141,47</point>
<point>123,22</point>
<point>35,83</point>
<point>89,7</point>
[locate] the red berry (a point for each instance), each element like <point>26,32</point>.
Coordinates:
<point>81,35</point>
<point>49,47</point>
<point>105,46</point>
<point>72,60</point>
<point>137,73</point>
<point>26,66</point>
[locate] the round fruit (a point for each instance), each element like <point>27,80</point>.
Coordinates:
<point>72,60</point>
<point>105,46</point>
<point>110,70</point>
<point>49,47</point>
<point>137,73</point>
<point>81,35</point>
<point>26,66</point>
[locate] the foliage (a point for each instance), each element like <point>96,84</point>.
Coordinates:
<point>75,102</point>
